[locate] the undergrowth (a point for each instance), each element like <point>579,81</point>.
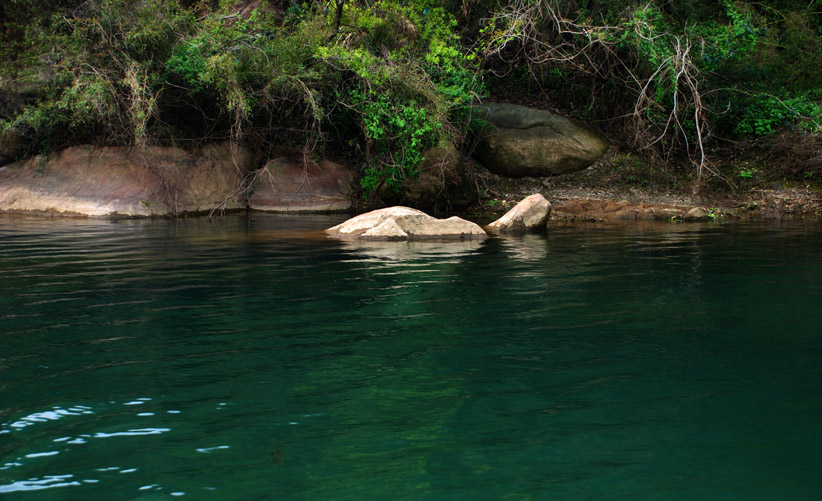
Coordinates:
<point>385,80</point>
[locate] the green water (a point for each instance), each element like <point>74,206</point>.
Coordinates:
<point>253,359</point>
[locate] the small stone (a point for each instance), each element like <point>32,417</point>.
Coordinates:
<point>625,215</point>
<point>646,215</point>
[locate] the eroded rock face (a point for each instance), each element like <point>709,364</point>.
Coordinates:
<point>405,223</point>
<point>289,185</point>
<point>11,144</point>
<point>531,214</point>
<point>112,181</point>
<point>442,184</point>
<point>527,142</point>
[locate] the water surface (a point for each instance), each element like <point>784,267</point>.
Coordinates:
<point>251,358</point>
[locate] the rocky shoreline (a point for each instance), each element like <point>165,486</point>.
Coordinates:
<point>91,181</point>
<point>523,152</point>
<point>111,182</point>
<point>611,192</point>
<point>618,205</point>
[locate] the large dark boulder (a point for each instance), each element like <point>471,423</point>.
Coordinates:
<point>520,142</point>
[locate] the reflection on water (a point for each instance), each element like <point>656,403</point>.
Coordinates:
<point>529,247</point>
<point>410,250</point>
<point>253,358</point>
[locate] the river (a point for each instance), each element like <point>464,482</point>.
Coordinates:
<point>252,358</point>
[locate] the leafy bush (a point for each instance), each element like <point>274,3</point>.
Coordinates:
<point>401,132</point>
<point>765,114</point>
<point>407,82</point>
<point>388,79</point>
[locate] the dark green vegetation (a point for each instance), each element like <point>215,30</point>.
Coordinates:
<point>382,81</point>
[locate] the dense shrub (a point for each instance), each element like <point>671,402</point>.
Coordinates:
<point>674,75</point>
<point>384,80</point>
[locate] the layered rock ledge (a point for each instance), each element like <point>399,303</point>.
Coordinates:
<point>291,185</point>
<point>162,181</point>
<point>112,181</point>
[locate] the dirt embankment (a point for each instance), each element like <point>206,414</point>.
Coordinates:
<point>621,189</point>
<point>768,204</point>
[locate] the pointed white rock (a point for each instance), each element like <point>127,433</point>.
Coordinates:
<point>531,214</point>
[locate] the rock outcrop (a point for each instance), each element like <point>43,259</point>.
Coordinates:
<point>115,181</point>
<point>531,214</point>
<point>405,223</point>
<point>442,184</point>
<point>288,185</point>
<point>155,181</point>
<point>522,142</point>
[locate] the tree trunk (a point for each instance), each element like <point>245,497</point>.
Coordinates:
<point>338,17</point>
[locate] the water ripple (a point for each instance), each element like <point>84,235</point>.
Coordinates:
<point>35,484</point>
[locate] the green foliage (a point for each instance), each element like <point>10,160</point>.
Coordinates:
<point>93,67</point>
<point>407,82</point>
<point>241,63</point>
<point>713,213</point>
<point>773,60</point>
<point>764,114</point>
<point>647,33</point>
<point>393,81</point>
<point>399,132</point>
<point>670,76</point>
<point>394,78</point>
<point>730,42</point>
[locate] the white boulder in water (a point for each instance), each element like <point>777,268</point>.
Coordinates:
<point>404,223</point>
